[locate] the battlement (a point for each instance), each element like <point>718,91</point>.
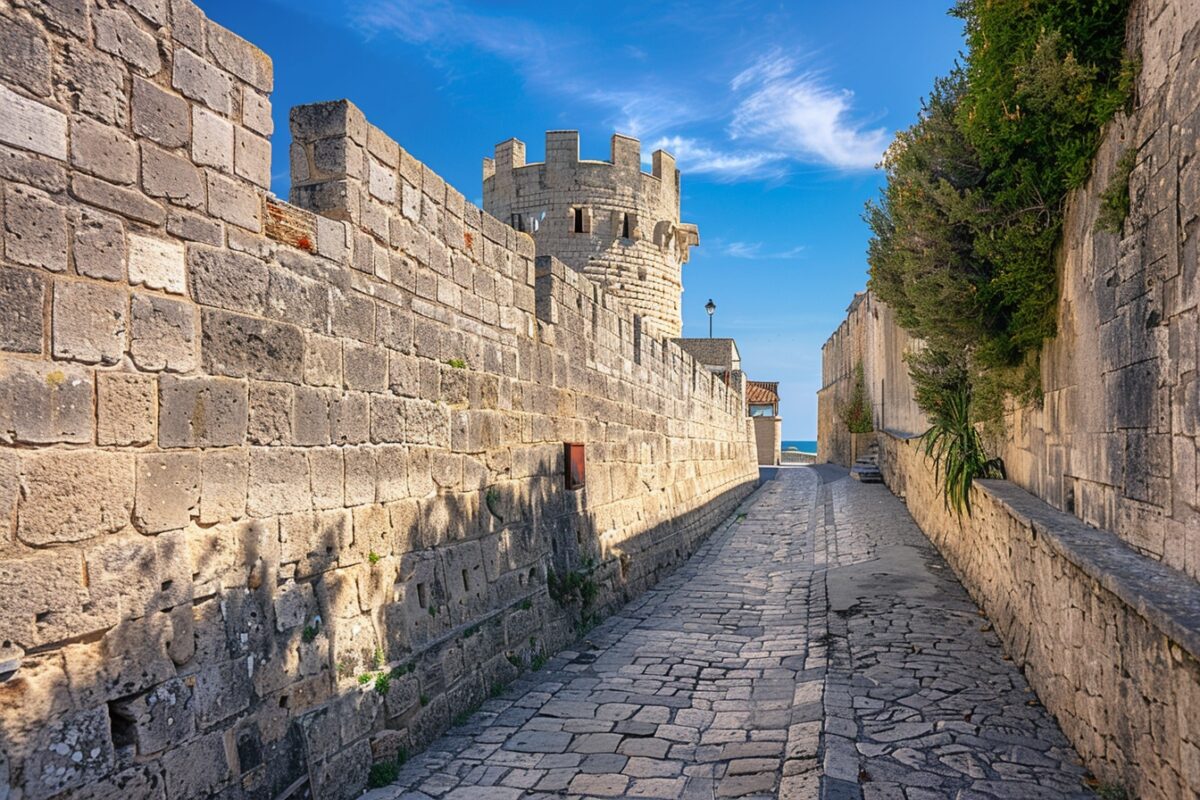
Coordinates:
<point>562,148</point>
<point>607,219</point>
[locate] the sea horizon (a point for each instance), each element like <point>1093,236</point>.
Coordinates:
<point>803,445</point>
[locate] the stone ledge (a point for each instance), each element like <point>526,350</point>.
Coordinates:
<point>1166,598</point>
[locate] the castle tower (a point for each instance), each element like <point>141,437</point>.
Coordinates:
<point>608,219</point>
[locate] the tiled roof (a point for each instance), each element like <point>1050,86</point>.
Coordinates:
<point>762,392</point>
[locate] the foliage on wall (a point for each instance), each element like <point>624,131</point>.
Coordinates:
<point>856,412</point>
<point>966,230</point>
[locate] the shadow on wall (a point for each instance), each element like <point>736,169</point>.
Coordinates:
<point>390,621</point>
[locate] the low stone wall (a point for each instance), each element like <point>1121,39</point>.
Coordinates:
<point>1109,639</point>
<point>282,492</point>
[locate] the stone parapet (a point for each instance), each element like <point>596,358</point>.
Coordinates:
<point>282,485</point>
<point>1108,638</point>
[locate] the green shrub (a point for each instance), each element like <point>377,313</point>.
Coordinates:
<point>1114,201</point>
<point>457,363</point>
<point>856,413</point>
<point>965,232</point>
<point>383,682</point>
<point>382,774</point>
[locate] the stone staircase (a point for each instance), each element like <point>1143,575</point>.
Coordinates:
<point>866,467</point>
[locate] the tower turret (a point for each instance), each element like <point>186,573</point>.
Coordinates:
<point>608,219</point>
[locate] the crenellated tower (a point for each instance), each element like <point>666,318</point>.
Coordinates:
<point>608,219</point>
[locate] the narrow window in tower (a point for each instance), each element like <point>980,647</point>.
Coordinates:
<point>518,222</point>
<point>625,226</point>
<point>579,220</point>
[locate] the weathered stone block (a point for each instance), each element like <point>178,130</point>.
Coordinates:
<point>310,422</point>
<point>212,140</point>
<point>227,279</point>
<point>171,177</point>
<point>22,305</point>
<point>279,482</point>
<point>365,367</point>
<point>323,361</point>
<point>360,475</point>
<point>256,112</point>
<point>196,78</point>
<point>350,419</point>
<point>294,605</point>
<point>201,412</point>
<point>126,202</point>
<point>34,618</point>
<point>32,126</point>
<point>312,540</point>
<point>27,54</point>
<point>197,771</point>
<point>35,229</point>
<point>235,202</point>
<point>221,691</point>
<point>73,495</point>
<point>69,753</point>
<point>125,408</point>
<point>89,322</point>
<point>223,475</point>
<point>117,33</point>
<point>163,333</point>
<point>252,158</point>
<point>241,346</point>
<point>99,246</point>
<point>44,403</point>
<point>159,115</point>
<point>328,477</point>
<point>168,491</point>
<point>159,719</point>
<point>271,413</point>
<point>103,151</point>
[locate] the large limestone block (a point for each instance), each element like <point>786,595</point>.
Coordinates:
<point>69,753</point>
<point>45,403</point>
<point>163,333</point>
<point>125,408</point>
<point>90,322</point>
<point>201,412</point>
<point>168,491</point>
<point>70,496</point>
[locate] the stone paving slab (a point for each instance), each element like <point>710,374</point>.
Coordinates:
<point>815,646</point>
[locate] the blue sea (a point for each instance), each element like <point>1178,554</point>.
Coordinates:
<point>803,445</point>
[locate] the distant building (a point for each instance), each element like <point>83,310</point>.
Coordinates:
<point>717,355</point>
<point>762,404</point>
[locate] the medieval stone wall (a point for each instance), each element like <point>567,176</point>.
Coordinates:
<point>281,492</point>
<point>1087,562</point>
<point>608,219</point>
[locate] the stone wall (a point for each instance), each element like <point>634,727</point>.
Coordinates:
<point>768,437</point>
<point>631,240</point>
<point>281,492</point>
<point>868,336</point>
<point>1109,639</point>
<point>1087,562</point>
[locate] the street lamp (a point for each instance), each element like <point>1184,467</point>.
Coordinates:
<point>711,308</point>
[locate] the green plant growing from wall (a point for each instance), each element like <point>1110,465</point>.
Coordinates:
<point>383,682</point>
<point>856,412</point>
<point>457,363</point>
<point>384,773</point>
<point>954,443</point>
<point>1114,200</point>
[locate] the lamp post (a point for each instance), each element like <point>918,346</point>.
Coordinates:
<point>711,308</point>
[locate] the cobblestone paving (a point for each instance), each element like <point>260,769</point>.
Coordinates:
<point>816,646</point>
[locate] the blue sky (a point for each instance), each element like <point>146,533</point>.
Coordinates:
<point>777,113</point>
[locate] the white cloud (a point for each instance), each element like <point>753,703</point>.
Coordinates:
<point>754,251</point>
<point>796,113</point>
<point>696,157</point>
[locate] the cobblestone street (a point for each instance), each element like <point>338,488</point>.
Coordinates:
<point>816,646</point>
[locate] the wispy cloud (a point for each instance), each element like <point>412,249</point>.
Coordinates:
<point>698,158</point>
<point>797,113</point>
<point>756,251</point>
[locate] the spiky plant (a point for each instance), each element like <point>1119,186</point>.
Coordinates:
<point>957,450</point>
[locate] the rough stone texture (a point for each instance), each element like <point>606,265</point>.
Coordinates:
<point>1112,447</point>
<point>270,482</point>
<point>816,646</point>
